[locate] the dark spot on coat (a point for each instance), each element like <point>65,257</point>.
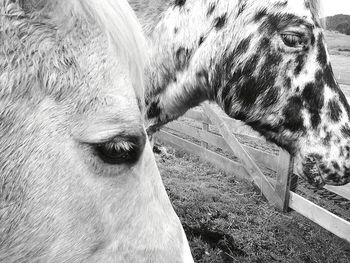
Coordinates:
<point>287,83</point>
<point>345,131</point>
<point>223,77</point>
<point>265,44</point>
<point>273,60</point>
<point>334,110</point>
<point>211,9</point>
<point>233,79</point>
<point>329,78</point>
<point>201,40</point>
<point>228,104</point>
<point>281,4</point>
<point>179,2</point>
<point>246,92</point>
<point>269,72</point>
<point>154,110</point>
<point>271,97</point>
<point>267,78</point>
<point>336,165</point>
<point>182,57</point>
<point>202,78</point>
<point>321,51</point>
<point>176,30</point>
<point>327,139</point>
<point>241,116</point>
<point>314,101</point>
<point>292,114</point>
<point>313,40</point>
<point>300,62</point>
<point>319,78</point>
<point>260,15</point>
<point>251,65</point>
<point>315,119</point>
<point>241,7</point>
<point>220,21</point>
<point>242,47</point>
<point>313,96</point>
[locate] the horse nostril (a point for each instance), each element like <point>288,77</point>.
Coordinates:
<point>311,171</point>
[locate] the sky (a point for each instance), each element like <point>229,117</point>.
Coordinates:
<point>333,7</point>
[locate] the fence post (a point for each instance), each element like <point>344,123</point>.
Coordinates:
<point>205,127</point>
<point>237,149</point>
<point>283,181</point>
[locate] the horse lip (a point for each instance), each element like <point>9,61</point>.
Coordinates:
<point>313,175</point>
<point>340,183</point>
<point>333,183</point>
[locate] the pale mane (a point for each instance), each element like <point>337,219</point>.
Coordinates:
<point>121,25</point>
<point>116,19</point>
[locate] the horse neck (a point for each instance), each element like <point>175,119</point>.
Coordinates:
<point>184,47</point>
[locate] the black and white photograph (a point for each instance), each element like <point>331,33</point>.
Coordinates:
<point>174,131</point>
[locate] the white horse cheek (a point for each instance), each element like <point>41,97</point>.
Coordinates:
<point>170,237</point>
<point>187,256</point>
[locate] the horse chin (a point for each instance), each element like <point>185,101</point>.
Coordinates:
<point>312,172</point>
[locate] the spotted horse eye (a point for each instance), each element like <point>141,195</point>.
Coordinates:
<point>119,151</point>
<point>293,40</point>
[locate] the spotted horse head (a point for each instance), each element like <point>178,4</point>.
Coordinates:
<point>265,62</point>
<point>281,83</point>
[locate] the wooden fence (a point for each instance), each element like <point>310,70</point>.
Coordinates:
<point>248,162</point>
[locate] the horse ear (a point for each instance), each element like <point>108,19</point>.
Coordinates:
<point>315,7</point>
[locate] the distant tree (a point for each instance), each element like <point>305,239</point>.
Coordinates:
<point>340,23</point>
<point>343,28</point>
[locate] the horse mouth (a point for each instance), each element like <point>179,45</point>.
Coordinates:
<point>311,172</point>
<point>315,175</point>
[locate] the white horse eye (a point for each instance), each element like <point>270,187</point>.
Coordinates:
<point>119,151</point>
<point>293,40</point>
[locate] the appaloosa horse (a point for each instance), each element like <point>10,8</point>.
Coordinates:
<point>264,62</point>
<point>78,180</point>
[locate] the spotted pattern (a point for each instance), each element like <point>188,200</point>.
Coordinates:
<point>287,93</point>
<point>182,58</point>
<point>211,9</point>
<point>179,3</point>
<point>220,21</point>
<point>334,110</point>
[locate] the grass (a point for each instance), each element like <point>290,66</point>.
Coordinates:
<point>337,43</point>
<point>227,220</point>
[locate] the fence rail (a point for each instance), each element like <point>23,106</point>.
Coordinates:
<point>248,162</point>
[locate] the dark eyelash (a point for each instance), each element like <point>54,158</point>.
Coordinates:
<point>119,151</point>
<point>294,40</point>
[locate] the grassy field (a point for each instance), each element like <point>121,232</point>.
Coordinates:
<point>338,43</point>
<point>227,220</point>
<point>339,49</point>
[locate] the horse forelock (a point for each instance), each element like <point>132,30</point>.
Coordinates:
<point>119,22</point>
<point>114,18</point>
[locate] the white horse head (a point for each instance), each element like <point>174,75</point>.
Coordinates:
<point>78,180</point>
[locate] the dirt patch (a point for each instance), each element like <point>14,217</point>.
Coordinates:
<point>227,220</point>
